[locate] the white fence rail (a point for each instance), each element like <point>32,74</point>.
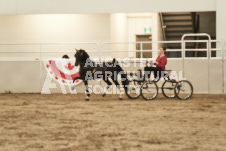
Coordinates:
<point>100,49</point>
<point>41,51</point>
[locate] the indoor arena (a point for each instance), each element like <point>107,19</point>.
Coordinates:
<point>112,75</point>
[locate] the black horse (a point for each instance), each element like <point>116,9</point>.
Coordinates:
<point>89,70</point>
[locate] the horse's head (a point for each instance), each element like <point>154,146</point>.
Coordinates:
<point>80,56</point>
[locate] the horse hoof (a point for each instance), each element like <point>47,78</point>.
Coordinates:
<point>86,99</point>
<point>72,88</point>
<point>120,99</point>
<point>104,95</point>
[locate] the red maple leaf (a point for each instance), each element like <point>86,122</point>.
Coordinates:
<point>69,66</point>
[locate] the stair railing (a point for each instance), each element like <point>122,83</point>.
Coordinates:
<point>163,27</point>
<point>195,23</point>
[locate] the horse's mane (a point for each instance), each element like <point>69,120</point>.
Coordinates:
<point>85,56</point>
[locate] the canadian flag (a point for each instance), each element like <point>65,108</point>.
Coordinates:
<point>69,66</point>
<point>62,70</point>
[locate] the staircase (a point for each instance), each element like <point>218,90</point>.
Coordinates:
<point>177,24</point>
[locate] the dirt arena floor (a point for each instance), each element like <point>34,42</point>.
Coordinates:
<point>68,123</point>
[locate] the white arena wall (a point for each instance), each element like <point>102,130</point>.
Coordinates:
<point>54,28</point>
<point>25,76</point>
<point>116,6</point>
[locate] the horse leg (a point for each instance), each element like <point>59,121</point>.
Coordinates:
<point>118,86</point>
<point>108,85</point>
<point>87,91</point>
<point>73,87</point>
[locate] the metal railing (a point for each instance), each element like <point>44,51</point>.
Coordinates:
<point>163,27</point>
<point>208,50</point>
<point>100,50</point>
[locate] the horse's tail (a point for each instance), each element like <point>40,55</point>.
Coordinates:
<point>124,78</point>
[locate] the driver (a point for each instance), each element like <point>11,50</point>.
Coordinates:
<point>160,63</point>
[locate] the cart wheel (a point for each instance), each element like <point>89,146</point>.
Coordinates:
<point>149,90</point>
<point>183,90</point>
<point>168,89</point>
<point>133,89</point>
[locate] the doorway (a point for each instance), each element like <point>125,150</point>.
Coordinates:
<point>148,46</point>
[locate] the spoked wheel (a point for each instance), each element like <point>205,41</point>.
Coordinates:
<point>183,90</point>
<point>149,90</point>
<point>133,89</point>
<point>168,88</point>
